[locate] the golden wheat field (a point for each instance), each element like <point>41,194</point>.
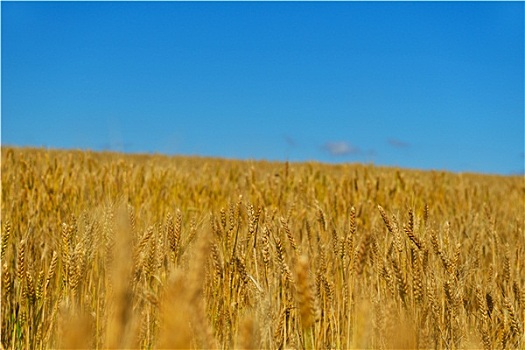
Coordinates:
<point>106,250</point>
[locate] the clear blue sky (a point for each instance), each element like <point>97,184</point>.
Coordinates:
<point>432,85</point>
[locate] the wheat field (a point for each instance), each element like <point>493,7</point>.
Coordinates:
<point>114,251</point>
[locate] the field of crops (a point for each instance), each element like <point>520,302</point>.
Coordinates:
<point>105,250</point>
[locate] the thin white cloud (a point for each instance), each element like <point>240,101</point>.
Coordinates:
<point>398,143</point>
<point>340,148</point>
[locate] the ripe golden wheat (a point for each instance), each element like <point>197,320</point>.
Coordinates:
<point>104,250</point>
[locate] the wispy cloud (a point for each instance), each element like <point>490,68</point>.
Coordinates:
<point>289,140</point>
<point>398,143</point>
<point>341,148</point>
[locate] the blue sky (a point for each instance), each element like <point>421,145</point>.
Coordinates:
<point>431,85</point>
